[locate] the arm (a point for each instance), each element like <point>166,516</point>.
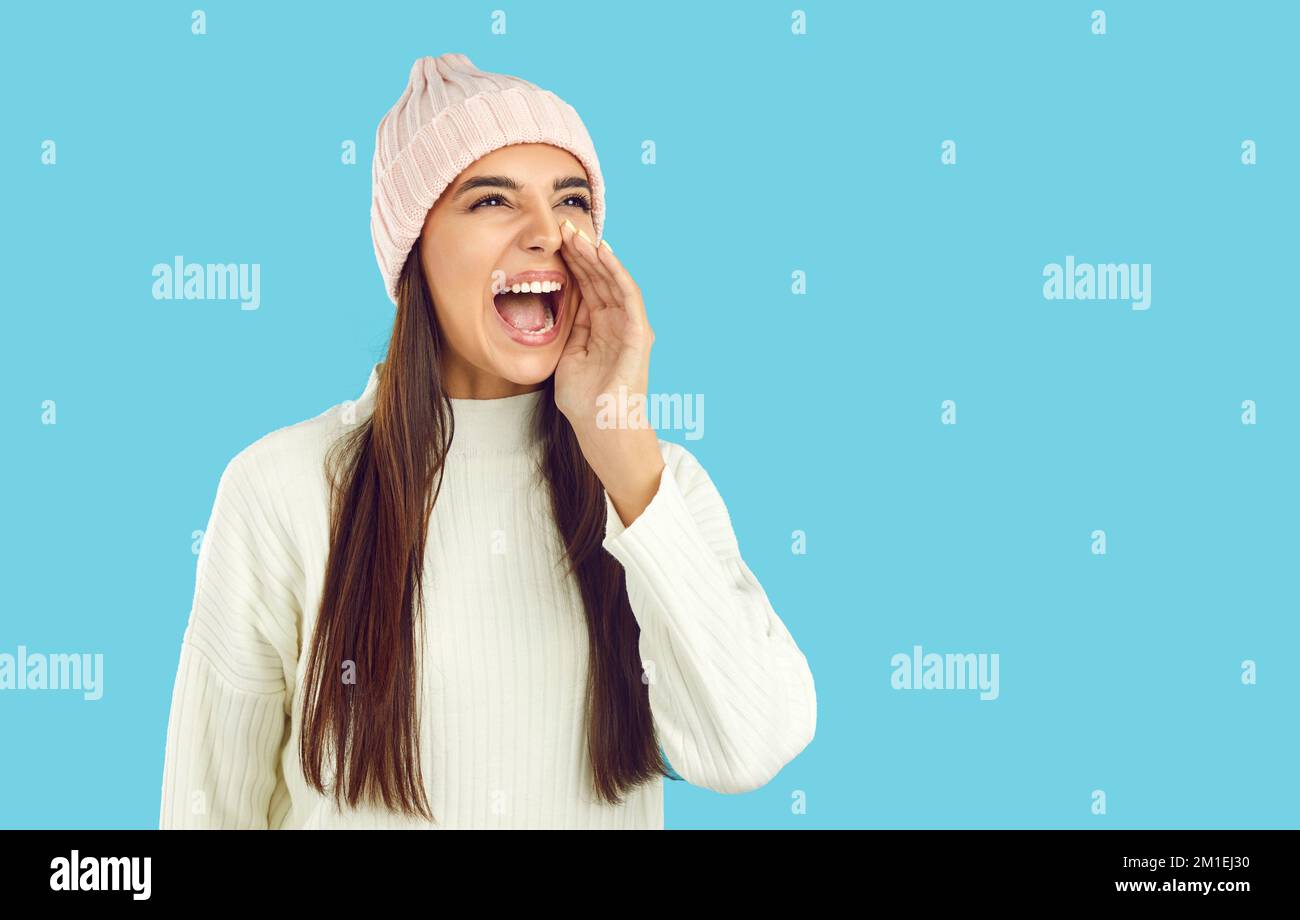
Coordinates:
<point>732,695</point>
<point>228,716</point>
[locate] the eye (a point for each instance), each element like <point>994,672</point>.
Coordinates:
<point>492,197</point>
<point>583,201</point>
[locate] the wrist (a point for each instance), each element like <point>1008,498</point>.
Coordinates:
<point>630,472</point>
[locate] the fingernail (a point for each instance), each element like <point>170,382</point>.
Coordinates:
<point>605,243</point>
<point>585,237</point>
<point>568,223</point>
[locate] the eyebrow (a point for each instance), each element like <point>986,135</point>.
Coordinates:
<point>507,182</point>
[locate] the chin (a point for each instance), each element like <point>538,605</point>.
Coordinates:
<point>528,370</point>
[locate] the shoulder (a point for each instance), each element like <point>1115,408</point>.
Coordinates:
<point>282,472</point>
<point>281,456</point>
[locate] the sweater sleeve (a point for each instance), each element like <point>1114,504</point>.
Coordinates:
<point>732,695</point>
<point>229,705</point>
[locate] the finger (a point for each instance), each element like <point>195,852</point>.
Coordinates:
<point>585,252</point>
<point>621,281</point>
<point>573,257</point>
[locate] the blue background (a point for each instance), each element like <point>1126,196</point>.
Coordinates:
<point>776,153</point>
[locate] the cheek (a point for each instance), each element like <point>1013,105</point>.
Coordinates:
<point>463,321</point>
<point>581,220</point>
<point>463,281</point>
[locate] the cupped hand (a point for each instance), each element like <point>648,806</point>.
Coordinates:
<point>609,344</point>
<point>603,372</point>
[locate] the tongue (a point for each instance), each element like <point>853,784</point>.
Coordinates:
<point>523,311</point>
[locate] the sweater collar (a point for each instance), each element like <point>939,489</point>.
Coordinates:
<point>483,425</point>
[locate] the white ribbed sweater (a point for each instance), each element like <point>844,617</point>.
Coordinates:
<point>503,737</point>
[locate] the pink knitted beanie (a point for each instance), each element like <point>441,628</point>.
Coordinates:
<point>451,114</point>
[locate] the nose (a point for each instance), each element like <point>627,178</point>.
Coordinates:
<point>542,230</point>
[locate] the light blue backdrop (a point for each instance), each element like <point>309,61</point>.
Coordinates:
<point>776,153</point>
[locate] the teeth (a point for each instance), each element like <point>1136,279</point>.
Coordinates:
<point>535,287</point>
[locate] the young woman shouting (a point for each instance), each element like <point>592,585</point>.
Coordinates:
<point>466,600</point>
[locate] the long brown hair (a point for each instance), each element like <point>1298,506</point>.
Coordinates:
<point>385,475</point>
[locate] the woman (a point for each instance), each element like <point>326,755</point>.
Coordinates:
<point>467,599</point>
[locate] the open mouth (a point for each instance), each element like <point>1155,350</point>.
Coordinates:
<point>534,311</point>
